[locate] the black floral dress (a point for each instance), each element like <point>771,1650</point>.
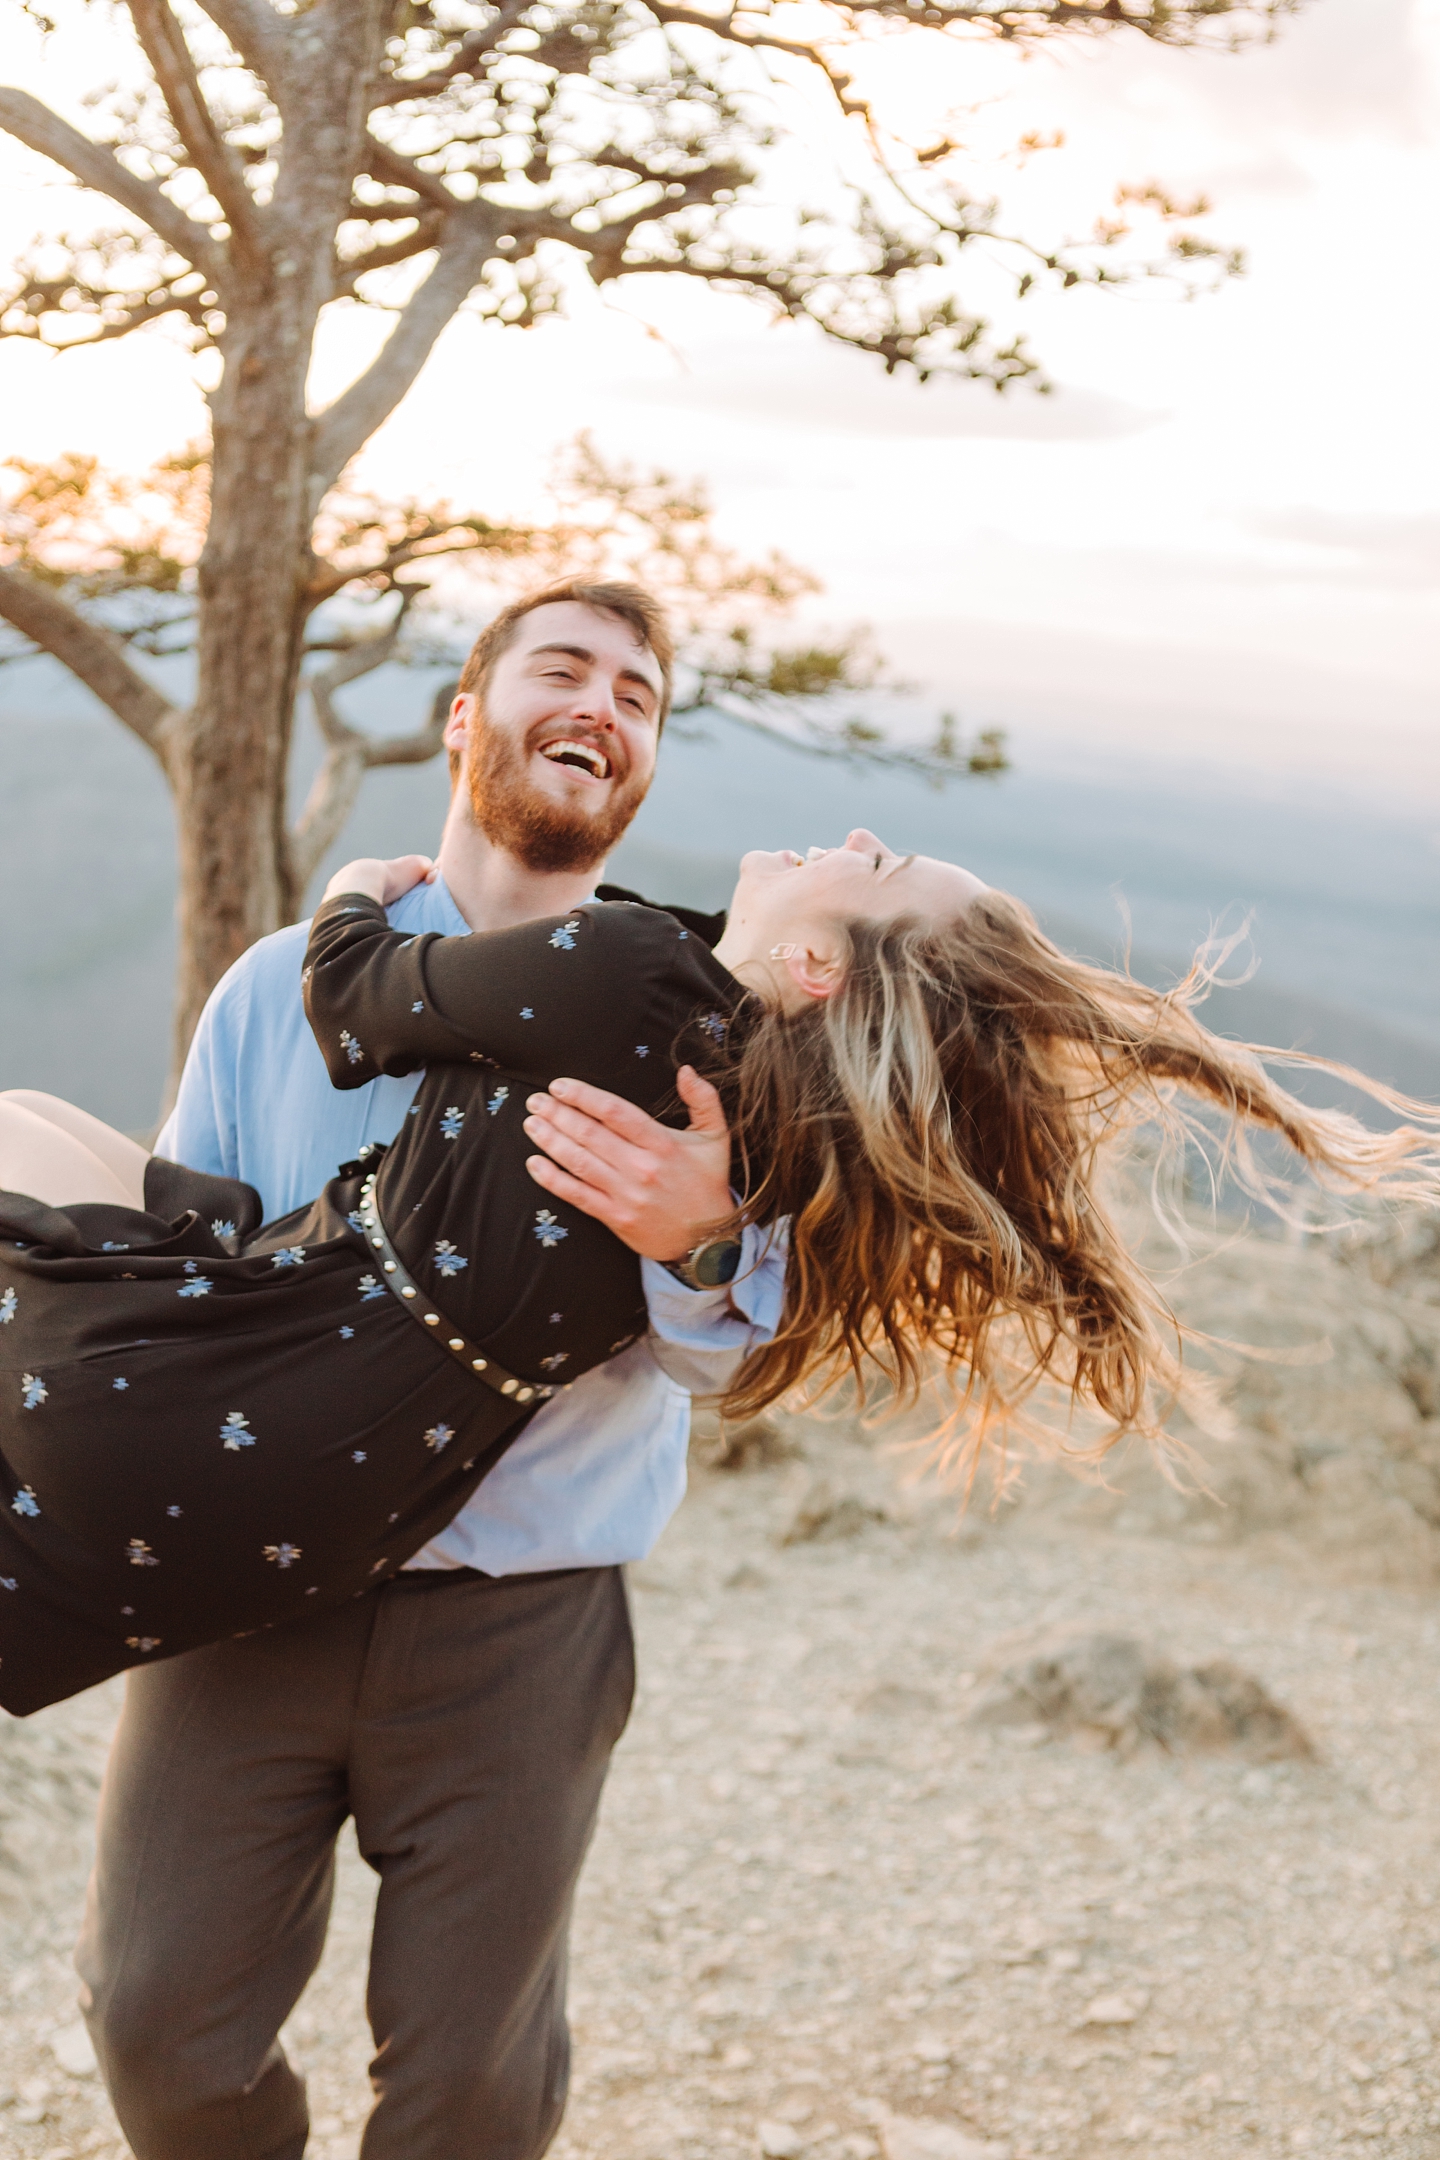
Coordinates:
<point>209,1425</point>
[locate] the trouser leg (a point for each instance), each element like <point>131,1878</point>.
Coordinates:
<point>486,1730</point>
<point>208,1905</point>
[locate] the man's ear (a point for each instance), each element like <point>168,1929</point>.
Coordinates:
<point>810,972</point>
<point>463,707</point>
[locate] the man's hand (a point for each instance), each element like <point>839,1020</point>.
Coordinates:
<point>659,1190</point>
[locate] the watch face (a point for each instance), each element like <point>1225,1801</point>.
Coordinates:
<point>715,1263</point>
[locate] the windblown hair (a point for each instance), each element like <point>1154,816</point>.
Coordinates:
<point>935,1130</point>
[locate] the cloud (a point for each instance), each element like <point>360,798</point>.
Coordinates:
<point>791,381</point>
<point>1396,548</point>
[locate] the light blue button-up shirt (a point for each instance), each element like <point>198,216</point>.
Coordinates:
<point>600,1469</point>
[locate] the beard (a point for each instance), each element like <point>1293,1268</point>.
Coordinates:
<point>543,836</point>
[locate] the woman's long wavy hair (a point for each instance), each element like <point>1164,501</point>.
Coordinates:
<point>935,1130</point>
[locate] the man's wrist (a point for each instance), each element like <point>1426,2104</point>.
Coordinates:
<point>710,1264</point>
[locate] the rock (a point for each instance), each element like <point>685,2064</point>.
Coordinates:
<point>72,2050</point>
<point>925,2137</point>
<point>1115,2009</point>
<point>1115,1692</point>
<point>777,2141</point>
<point>892,1698</point>
<point>752,1445</point>
<point>825,1514</point>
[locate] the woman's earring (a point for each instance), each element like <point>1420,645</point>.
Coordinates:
<point>784,952</point>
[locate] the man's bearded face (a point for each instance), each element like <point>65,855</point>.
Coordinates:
<point>545,833</point>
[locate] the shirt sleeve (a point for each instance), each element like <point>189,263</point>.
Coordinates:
<point>202,1131</point>
<point>700,1338</point>
<point>562,993</point>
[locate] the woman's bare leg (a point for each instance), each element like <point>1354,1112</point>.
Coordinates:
<point>65,1157</point>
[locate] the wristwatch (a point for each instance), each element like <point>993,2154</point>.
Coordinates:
<point>707,1265</point>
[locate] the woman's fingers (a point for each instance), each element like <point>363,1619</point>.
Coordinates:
<point>404,871</point>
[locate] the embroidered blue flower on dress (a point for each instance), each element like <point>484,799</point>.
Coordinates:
<point>548,1228</point>
<point>556,1318</point>
<point>642,1049</point>
<point>563,938</point>
<point>235,1432</point>
<point>452,1121</point>
<point>120,1384</point>
<point>111,1246</point>
<point>714,1026</point>
<point>527,1012</point>
<point>370,1288</point>
<point>222,1227</point>
<point>9,1306</point>
<point>498,1100</point>
<point>418,1006</point>
<point>24,1502</point>
<point>556,1359</point>
<point>138,1553</point>
<point>34,1390</point>
<point>288,1256</point>
<point>197,1286</point>
<point>283,1556</point>
<point>8,1582</point>
<point>347,1334</point>
<point>354,1050</point>
<point>174,1511</point>
<point>355,1219</point>
<point>357,1454</point>
<point>447,1261</point>
<point>439,1437</point>
<point>683,935</point>
<point>143,1642</point>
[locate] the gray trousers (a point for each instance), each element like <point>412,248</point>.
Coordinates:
<point>467,1725</point>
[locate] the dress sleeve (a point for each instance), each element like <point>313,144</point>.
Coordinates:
<point>565,993</point>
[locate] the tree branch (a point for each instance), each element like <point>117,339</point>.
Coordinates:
<point>93,654</point>
<point>392,170</point>
<point>257,33</point>
<point>349,754</point>
<point>353,418</point>
<point>174,70</point>
<point>94,166</point>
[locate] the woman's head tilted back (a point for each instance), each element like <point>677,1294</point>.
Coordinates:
<point>925,1089</point>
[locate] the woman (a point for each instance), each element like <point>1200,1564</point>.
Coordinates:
<point>209,1425</point>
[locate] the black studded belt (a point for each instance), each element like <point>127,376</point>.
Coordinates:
<point>402,1284</point>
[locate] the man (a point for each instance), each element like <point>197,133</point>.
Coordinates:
<point>464,1713</point>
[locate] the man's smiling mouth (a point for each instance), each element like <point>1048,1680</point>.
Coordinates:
<point>579,756</point>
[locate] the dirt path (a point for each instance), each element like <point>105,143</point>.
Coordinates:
<point>820,1899</point>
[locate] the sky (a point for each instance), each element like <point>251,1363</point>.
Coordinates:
<point>1214,548</point>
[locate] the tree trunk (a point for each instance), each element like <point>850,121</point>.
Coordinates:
<point>228,767</point>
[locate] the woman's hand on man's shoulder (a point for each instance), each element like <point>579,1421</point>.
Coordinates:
<point>379,879</point>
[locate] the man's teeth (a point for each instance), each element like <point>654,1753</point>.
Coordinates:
<point>578,753</point>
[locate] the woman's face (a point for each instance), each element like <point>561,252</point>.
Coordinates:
<point>786,900</point>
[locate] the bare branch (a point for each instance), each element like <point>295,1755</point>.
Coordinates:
<point>353,418</point>
<point>94,166</point>
<point>461,62</point>
<point>349,753</point>
<point>174,70</point>
<point>426,234</point>
<point>91,653</point>
<point>258,34</point>
<point>388,166</point>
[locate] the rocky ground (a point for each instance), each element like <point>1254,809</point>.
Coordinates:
<point>832,1912</point>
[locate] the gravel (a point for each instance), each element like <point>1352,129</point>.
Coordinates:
<point>829,1914</point>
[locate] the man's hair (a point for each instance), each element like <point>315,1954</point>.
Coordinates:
<point>632,603</point>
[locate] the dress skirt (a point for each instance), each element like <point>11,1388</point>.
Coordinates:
<point>207,1427</point>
